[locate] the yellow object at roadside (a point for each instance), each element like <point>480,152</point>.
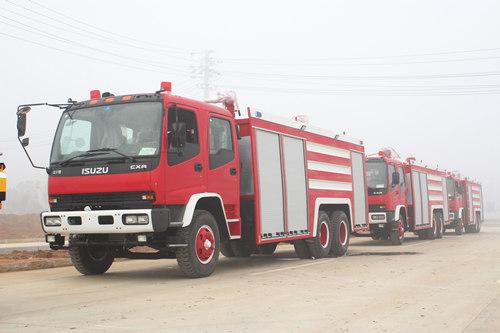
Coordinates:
<point>3,184</point>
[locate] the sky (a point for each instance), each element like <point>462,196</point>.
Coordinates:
<point>422,77</point>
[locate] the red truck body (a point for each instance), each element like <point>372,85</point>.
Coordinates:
<point>189,179</point>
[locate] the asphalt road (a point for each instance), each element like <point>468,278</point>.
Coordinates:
<point>452,284</point>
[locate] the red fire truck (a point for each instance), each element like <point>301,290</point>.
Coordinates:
<point>188,179</point>
<point>474,215</point>
<point>456,203</point>
<point>405,196</point>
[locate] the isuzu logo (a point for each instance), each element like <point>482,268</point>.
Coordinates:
<point>138,167</point>
<point>95,171</point>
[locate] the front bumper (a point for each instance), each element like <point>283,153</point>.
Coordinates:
<point>160,219</point>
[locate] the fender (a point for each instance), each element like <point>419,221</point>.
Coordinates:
<point>187,216</point>
<point>397,211</point>
<point>322,201</point>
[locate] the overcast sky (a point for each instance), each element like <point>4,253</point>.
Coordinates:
<point>420,76</point>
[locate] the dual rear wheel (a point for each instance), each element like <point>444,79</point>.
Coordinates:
<point>332,237</point>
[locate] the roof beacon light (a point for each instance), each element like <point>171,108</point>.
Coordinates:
<point>95,94</point>
<point>166,86</point>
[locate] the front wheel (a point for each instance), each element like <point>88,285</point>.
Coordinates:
<point>200,256</point>
<point>439,226</point>
<point>341,234</point>
<point>397,236</point>
<point>90,260</point>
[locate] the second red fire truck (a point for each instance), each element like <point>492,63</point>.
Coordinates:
<point>406,196</point>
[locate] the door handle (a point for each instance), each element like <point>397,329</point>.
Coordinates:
<point>198,167</point>
<point>232,171</point>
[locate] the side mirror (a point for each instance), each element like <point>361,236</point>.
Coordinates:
<point>395,178</point>
<point>21,124</point>
<point>179,135</point>
<point>25,142</point>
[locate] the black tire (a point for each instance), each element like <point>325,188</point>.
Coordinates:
<point>321,245</point>
<point>478,224</point>
<point>460,227</point>
<point>341,233</point>
<point>199,258</point>
<point>422,234</point>
<point>226,249</point>
<point>440,226</point>
<point>267,249</point>
<point>376,234</point>
<point>301,249</point>
<point>396,236</point>
<point>432,233</point>
<point>87,260</point>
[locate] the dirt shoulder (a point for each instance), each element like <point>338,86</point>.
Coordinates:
<point>28,260</point>
<point>20,227</point>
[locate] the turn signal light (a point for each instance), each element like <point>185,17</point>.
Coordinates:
<point>149,196</point>
<point>52,200</point>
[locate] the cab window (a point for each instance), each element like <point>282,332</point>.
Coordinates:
<point>392,170</point>
<point>185,119</point>
<point>401,177</point>
<point>221,142</point>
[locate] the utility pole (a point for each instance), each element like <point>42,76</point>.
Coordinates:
<point>205,72</point>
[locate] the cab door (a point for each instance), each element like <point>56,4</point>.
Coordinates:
<point>223,172</point>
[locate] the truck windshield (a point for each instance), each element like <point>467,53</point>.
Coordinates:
<point>376,172</point>
<point>117,131</point>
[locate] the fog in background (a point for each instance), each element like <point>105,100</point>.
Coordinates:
<point>422,77</point>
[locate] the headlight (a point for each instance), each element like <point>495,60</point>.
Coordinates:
<point>135,219</point>
<point>52,221</point>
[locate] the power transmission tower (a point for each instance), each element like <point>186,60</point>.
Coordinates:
<point>205,72</point>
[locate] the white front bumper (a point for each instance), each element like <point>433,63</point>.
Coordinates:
<point>374,220</point>
<point>90,222</point>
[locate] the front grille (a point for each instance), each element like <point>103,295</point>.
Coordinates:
<point>100,201</point>
<point>377,208</point>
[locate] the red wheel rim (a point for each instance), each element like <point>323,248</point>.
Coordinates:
<point>324,234</point>
<point>343,233</point>
<point>401,229</point>
<point>205,244</point>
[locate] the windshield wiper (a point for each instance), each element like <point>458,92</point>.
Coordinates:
<point>86,154</point>
<point>95,152</point>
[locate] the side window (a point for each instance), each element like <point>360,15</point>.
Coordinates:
<point>392,170</point>
<point>186,120</point>
<point>221,143</point>
<point>401,177</point>
<point>75,136</point>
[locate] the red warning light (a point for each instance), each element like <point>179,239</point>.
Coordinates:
<point>166,86</point>
<point>95,94</point>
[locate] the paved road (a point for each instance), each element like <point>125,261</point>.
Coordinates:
<point>451,285</point>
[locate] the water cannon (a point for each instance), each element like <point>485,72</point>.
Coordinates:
<point>229,101</point>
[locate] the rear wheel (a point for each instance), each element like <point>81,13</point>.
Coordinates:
<point>341,233</point>
<point>320,246</point>
<point>398,236</point>
<point>267,248</point>
<point>200,257</point>
<point>432,232</point>
<point>478,223</point>
<point>90,260</point>
<point>439,226</point>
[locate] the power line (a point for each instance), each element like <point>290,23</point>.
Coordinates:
<point>374,57</point>
<point>93,33</point>
<point>358,77</point>
<point>80,54</point>
<point>72,42</point>
<point>177,49</point>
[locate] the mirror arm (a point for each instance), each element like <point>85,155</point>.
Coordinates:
<point>29,158</point>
